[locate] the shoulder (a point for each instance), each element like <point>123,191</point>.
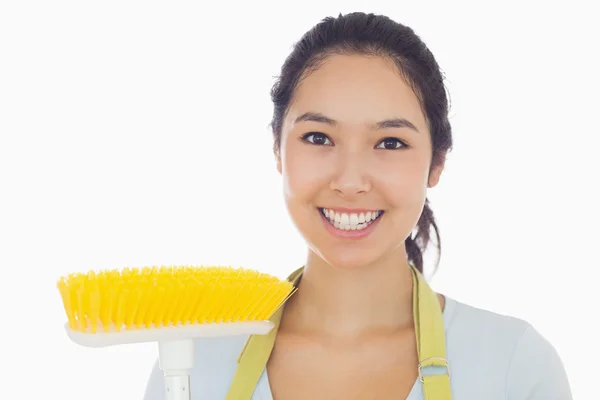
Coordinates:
<point>536,370</point>
<point>507,353</point>
<point>215,362</point>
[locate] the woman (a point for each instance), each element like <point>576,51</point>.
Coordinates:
<point>361,132</point>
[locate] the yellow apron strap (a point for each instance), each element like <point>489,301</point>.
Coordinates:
<point>431,346</point>
<point>431,341</point>
<point>255,355</point>
<point>252,362</point>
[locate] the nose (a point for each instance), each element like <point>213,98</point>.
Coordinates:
<point>351,175</point>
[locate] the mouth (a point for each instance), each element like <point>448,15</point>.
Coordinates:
<point>345,221</point>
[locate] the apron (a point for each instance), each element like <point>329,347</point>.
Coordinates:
<point>429,332</point>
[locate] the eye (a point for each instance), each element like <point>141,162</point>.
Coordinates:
<point>317,138</point>
<point>391,143</point>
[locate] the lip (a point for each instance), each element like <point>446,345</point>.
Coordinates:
<point>343,234</point>
<point>351,210</point>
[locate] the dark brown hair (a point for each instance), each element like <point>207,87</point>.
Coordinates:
<point>374,35</point>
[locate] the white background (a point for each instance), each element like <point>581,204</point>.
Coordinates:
<point>135,133</point>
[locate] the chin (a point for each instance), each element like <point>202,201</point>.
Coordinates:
<point>349,259</point>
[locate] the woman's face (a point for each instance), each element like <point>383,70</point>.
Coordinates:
<point>355,159</point>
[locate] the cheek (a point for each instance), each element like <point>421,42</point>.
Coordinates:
<point>404,179</point>
<point>303,174</point>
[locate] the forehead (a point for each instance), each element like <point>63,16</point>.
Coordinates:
<point>356,90</point>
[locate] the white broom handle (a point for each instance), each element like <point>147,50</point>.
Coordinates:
<point>176,358</point>
<point>177,387</point>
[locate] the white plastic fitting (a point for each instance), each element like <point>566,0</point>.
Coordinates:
<point>176,360</point>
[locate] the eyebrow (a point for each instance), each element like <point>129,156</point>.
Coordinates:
<point>388,123</point>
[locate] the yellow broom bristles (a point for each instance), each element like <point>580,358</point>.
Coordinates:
<point>136,298</point>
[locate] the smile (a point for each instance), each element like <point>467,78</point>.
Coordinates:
<point>350,221</point>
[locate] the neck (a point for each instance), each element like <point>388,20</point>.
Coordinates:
<point>349,303</point>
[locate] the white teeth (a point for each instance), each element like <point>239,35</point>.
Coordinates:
<point>345,219</point>
<point>351,221</point>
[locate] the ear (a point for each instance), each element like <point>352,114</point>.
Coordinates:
<point>436,171</point>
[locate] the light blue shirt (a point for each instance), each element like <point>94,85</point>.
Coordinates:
<point>491,357</point>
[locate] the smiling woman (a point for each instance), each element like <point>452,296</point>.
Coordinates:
<point>361,133</point>
<point>354,137</point>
